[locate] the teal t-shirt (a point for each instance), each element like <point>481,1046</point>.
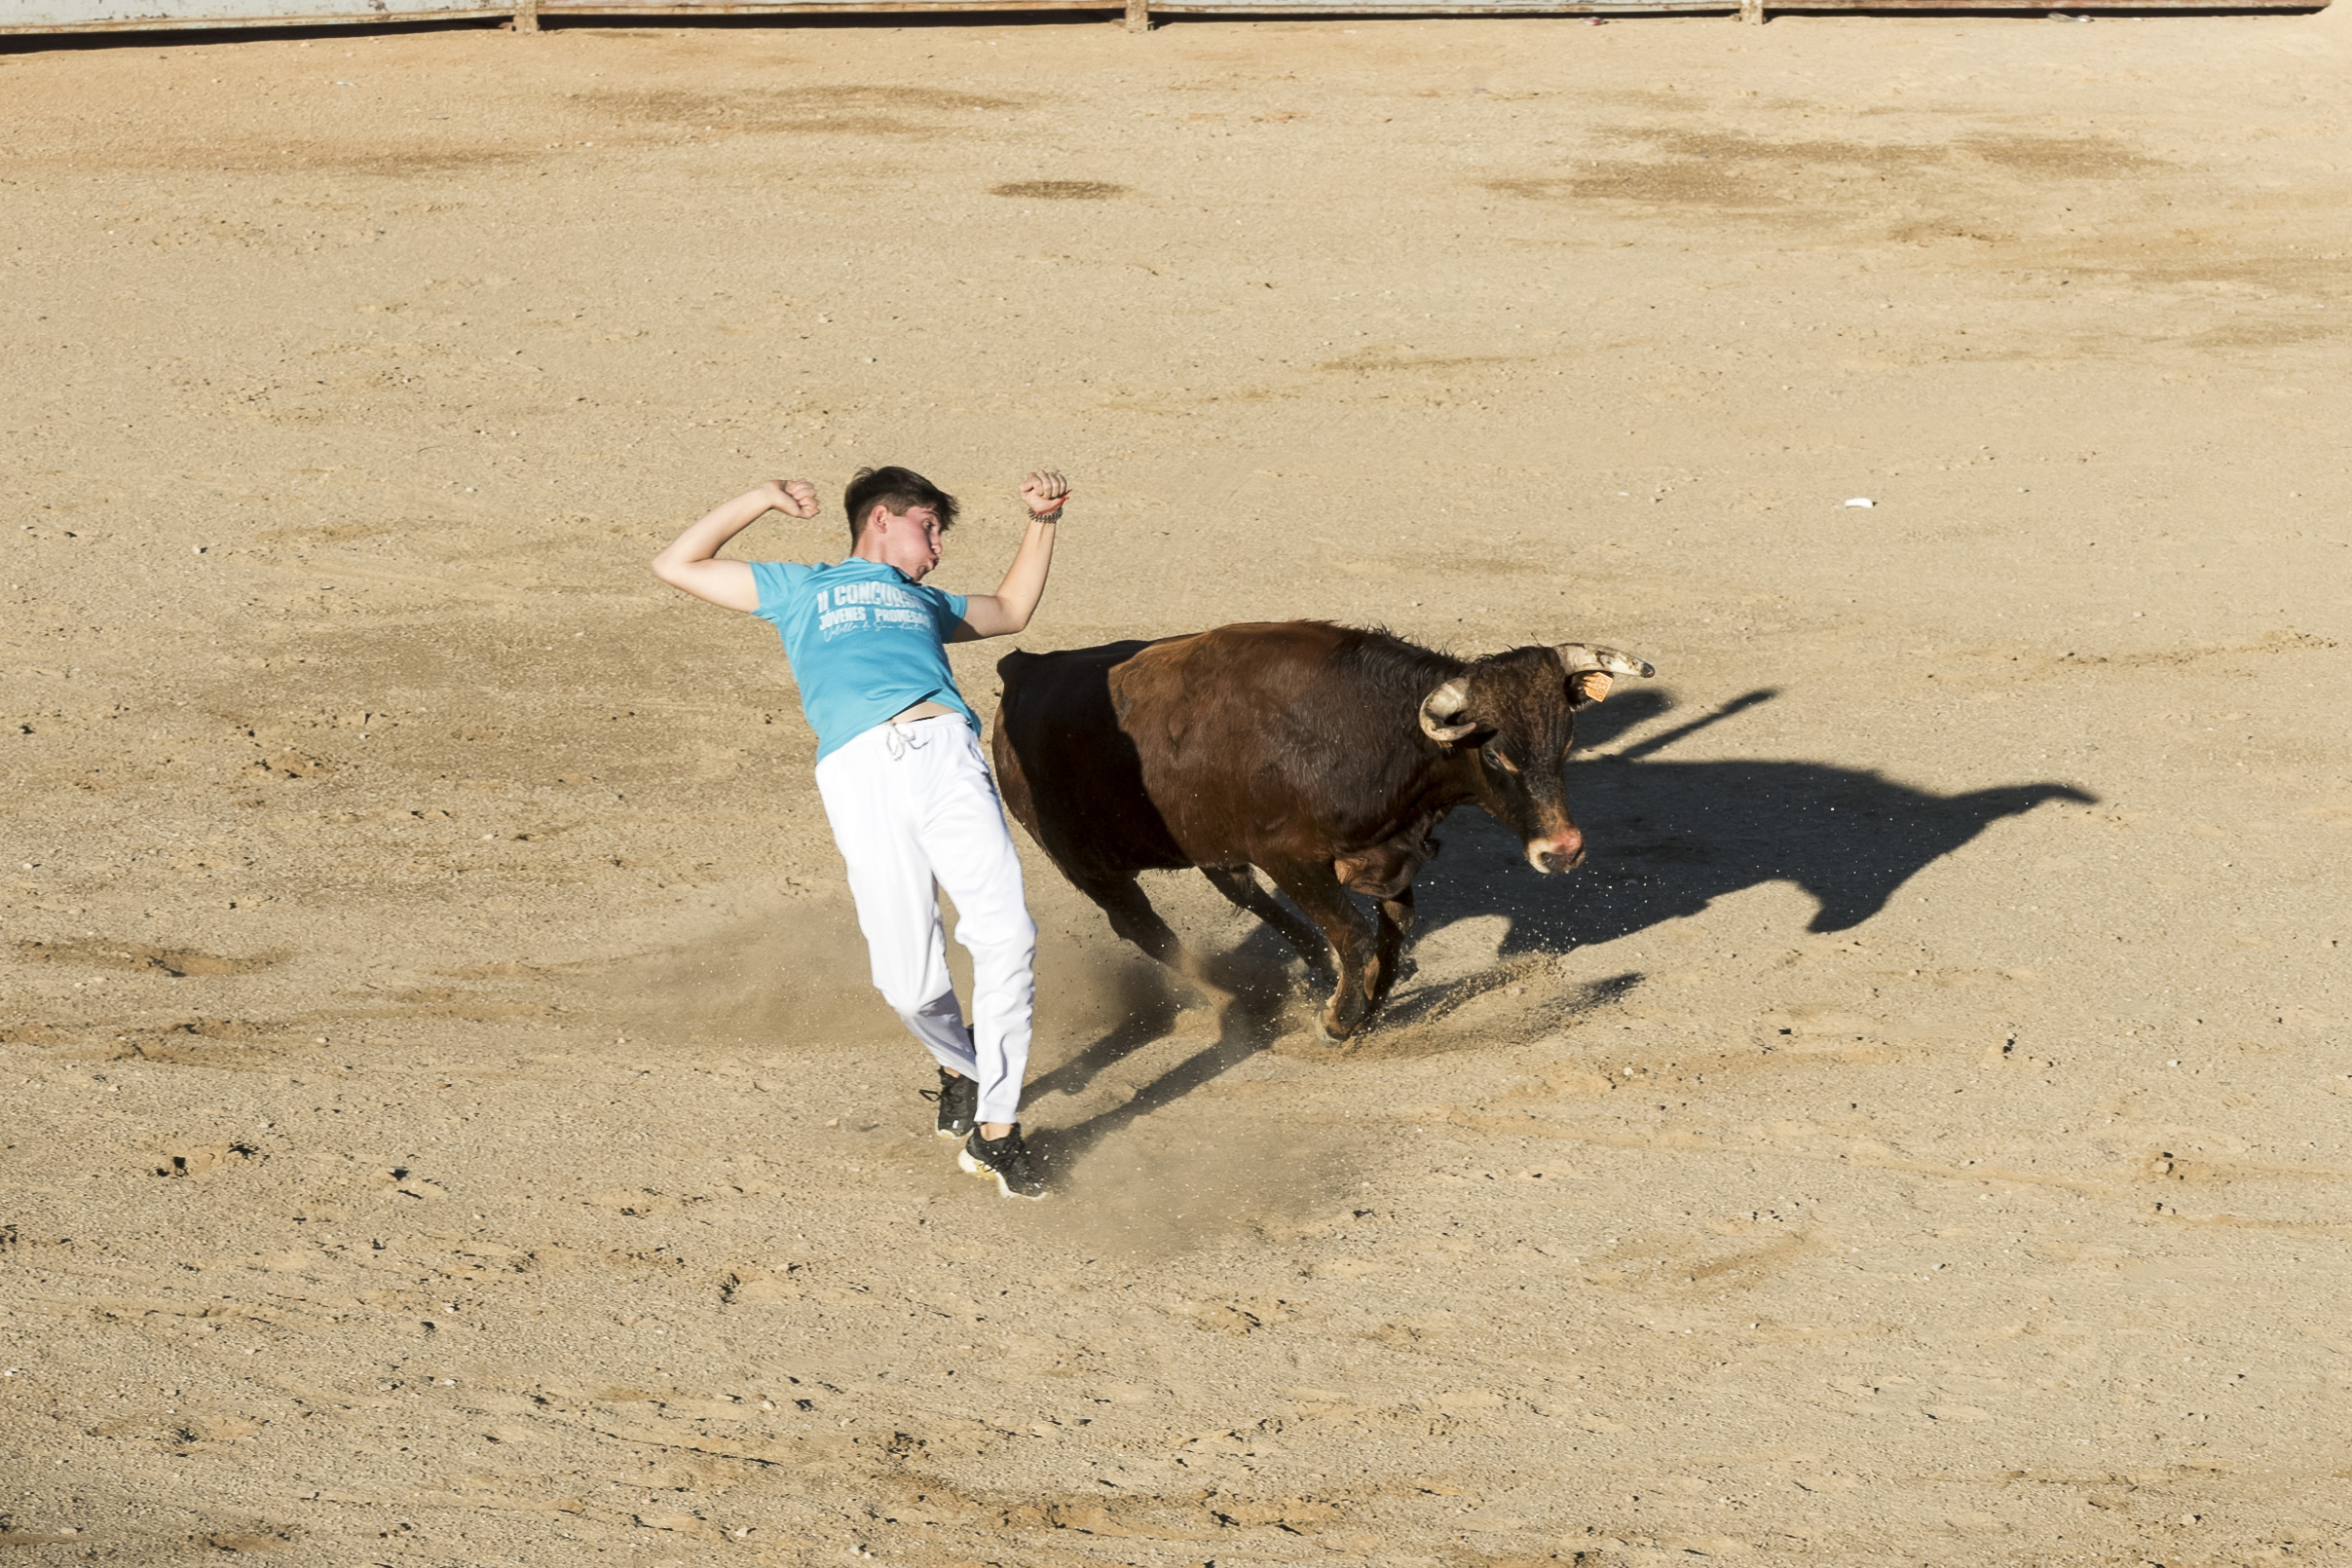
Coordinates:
<point>866,643</point>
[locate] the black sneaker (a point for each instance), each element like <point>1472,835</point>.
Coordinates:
<point>1005,1158</point>
<point>958,1103</point>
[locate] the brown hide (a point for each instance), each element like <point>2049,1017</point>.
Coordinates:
<point>1296,747</point>
<point>1224,747</point>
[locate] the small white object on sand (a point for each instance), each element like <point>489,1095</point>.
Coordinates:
<point>1861,501</point>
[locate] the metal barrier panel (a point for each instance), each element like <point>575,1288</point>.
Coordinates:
<point>788,8</point>
<point>98,16</point>
<point>1449,8</point>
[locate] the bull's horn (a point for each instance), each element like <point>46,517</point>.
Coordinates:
<point>1441,713</point>
<point>1583,657</point>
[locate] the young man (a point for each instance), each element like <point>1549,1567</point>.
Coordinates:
<point>900,770</point>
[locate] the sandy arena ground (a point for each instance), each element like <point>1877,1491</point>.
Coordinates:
<point>446,1120</point>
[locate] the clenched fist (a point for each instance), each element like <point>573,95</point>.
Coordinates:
<point>794,498</point>
<point>1044,492</point>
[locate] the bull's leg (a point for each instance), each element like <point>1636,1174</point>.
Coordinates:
<point>1131,915</point>
<point>1388,951</point>
<point>1314,889</point>
<point>1240,886</point>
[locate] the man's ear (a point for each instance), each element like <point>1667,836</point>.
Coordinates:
<point>1587,686</point>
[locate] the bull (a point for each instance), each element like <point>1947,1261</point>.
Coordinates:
<point>1323,756</point>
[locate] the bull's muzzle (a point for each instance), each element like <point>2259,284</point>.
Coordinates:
<point>1561,851</point>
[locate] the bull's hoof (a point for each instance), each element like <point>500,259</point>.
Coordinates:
<point>1335,1025</point>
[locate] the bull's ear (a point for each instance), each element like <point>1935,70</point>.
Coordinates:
<point>1444,713</point>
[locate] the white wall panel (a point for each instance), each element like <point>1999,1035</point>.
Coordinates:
<point>101,14</point>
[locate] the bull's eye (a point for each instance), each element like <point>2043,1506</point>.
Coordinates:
<point>1494,755</point>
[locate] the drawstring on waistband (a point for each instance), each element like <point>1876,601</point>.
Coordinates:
<point>901,737</point>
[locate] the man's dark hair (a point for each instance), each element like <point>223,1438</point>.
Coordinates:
<point>900,491</point>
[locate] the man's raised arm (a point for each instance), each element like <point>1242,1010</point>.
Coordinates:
<point>1008,609</point>
<point>688,561</point>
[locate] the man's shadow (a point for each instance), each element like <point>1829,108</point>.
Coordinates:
<point>1254,1020</point>
<point>1666,839</point>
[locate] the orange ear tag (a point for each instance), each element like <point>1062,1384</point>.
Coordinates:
<point>1593,685</point>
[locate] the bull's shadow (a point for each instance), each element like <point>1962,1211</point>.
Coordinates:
<point>1666,839</point>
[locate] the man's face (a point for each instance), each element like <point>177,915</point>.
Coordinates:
<point>910,543</point>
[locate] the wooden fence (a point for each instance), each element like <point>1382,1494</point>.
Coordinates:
<point>112,16</point>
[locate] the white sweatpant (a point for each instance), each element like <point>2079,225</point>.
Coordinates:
<point>913,805</point>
